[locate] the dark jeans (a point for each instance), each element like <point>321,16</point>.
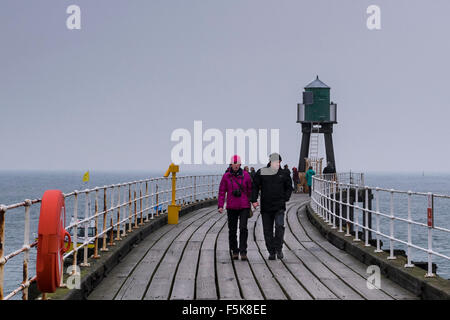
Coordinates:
<point>233,217</point>
<point>309,190</point>
<point>274,243</point>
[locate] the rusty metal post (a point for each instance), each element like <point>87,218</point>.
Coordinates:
<point>146,201</point>
<point>195,189</point>
<point>129,208</point>
<point>135,207</point>
<point>2,246</point>
<point>86,215</point>
<point>157,200</point>
<point>124,211</point>
<point>111,224</point>
<point>26,244</point>
<point>111,232</point>
<point>140,205</point>
<point>105,208</point>
<point>96,255</point>
<point>75,232</point>
<point>118,214</point>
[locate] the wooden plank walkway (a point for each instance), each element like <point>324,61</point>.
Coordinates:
<point>191,260</point>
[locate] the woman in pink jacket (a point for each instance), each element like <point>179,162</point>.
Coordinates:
<point>237,185</point>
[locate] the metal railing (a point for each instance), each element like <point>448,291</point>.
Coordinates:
<point>331,201</point>
<point>124,207</point>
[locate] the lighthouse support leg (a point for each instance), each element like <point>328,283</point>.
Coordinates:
<point>304,149</point>
<point>328,135</point>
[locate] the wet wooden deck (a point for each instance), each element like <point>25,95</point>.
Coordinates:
<point>191,260</point>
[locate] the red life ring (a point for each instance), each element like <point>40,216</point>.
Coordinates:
<point>51,234</point>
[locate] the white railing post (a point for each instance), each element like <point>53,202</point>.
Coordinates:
<point>355,216</point>
<point>146,201</point>
<point>377,218</point>
<point>430,224</point>
<point>26,244</point>
<point>409,264</point>
<point>347,232</point>
<point>86,224</point>
<point>366,234</point>
<point>340,209</point>
<point>334,191</point>
<point>327,212</point>
<point>118,230</point>
<point>75,231</point>
<point>391,236</point>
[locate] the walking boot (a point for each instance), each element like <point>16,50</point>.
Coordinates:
<point>280,255</point>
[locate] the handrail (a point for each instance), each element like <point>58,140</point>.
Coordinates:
<point>125,206</point>
<point>329,203</point>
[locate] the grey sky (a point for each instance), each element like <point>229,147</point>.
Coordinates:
<point>108,96</point>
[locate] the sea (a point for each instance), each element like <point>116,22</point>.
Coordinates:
<point>16,186</point>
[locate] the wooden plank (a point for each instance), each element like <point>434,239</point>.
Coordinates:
<point>112,283</point>
<point>389,287</point>
<point>265,279</point>
<point>247,282</point>
<point>185,279</point>
<point>160,285</point>
<point>226,278</point>
<point>294,224</point>
<point>350,277</point>
<point>136,284</point>
<point>290,285</point>
<point>341,290</point>
<point>205,286</point>
<point>184,284</point>
<point>312,284</point>
<point>206,280</point>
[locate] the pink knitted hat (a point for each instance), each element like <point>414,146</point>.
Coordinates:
<point>235,159</point>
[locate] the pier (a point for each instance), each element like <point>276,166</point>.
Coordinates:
<point>164,239</point>
<point>191,260</point>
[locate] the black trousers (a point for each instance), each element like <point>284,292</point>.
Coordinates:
<point>309,190</point>
<point>274,243</point>
<point>233,217</point>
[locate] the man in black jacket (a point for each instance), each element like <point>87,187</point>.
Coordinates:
<point>275,185</point>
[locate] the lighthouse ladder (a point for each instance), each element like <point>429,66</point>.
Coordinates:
<point>314,141</point>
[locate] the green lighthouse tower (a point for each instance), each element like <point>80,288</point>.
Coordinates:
<point>316,115</point>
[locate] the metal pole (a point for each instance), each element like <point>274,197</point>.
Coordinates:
<point>135,206</point>
<point>96,255</point>
<point>340,209</point>
<point>378,219</point>
<point>2,246</point>
<point>105,207</point>
<point>355,216</point>
<point>75,231</point>
<point>26,244</point>
<point>157,200</point>
<point>366,233</point>
<point>334,204</point>
<point>141,209</point>
<point>430,256</point>
<point>409,264</point>
<point>111,224</point>
<point>129,208</point>
<point>391,237</point>
<point>147,200</point>
<point>86,224</point>
<point>118,214</point>
<point>347,232</point>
